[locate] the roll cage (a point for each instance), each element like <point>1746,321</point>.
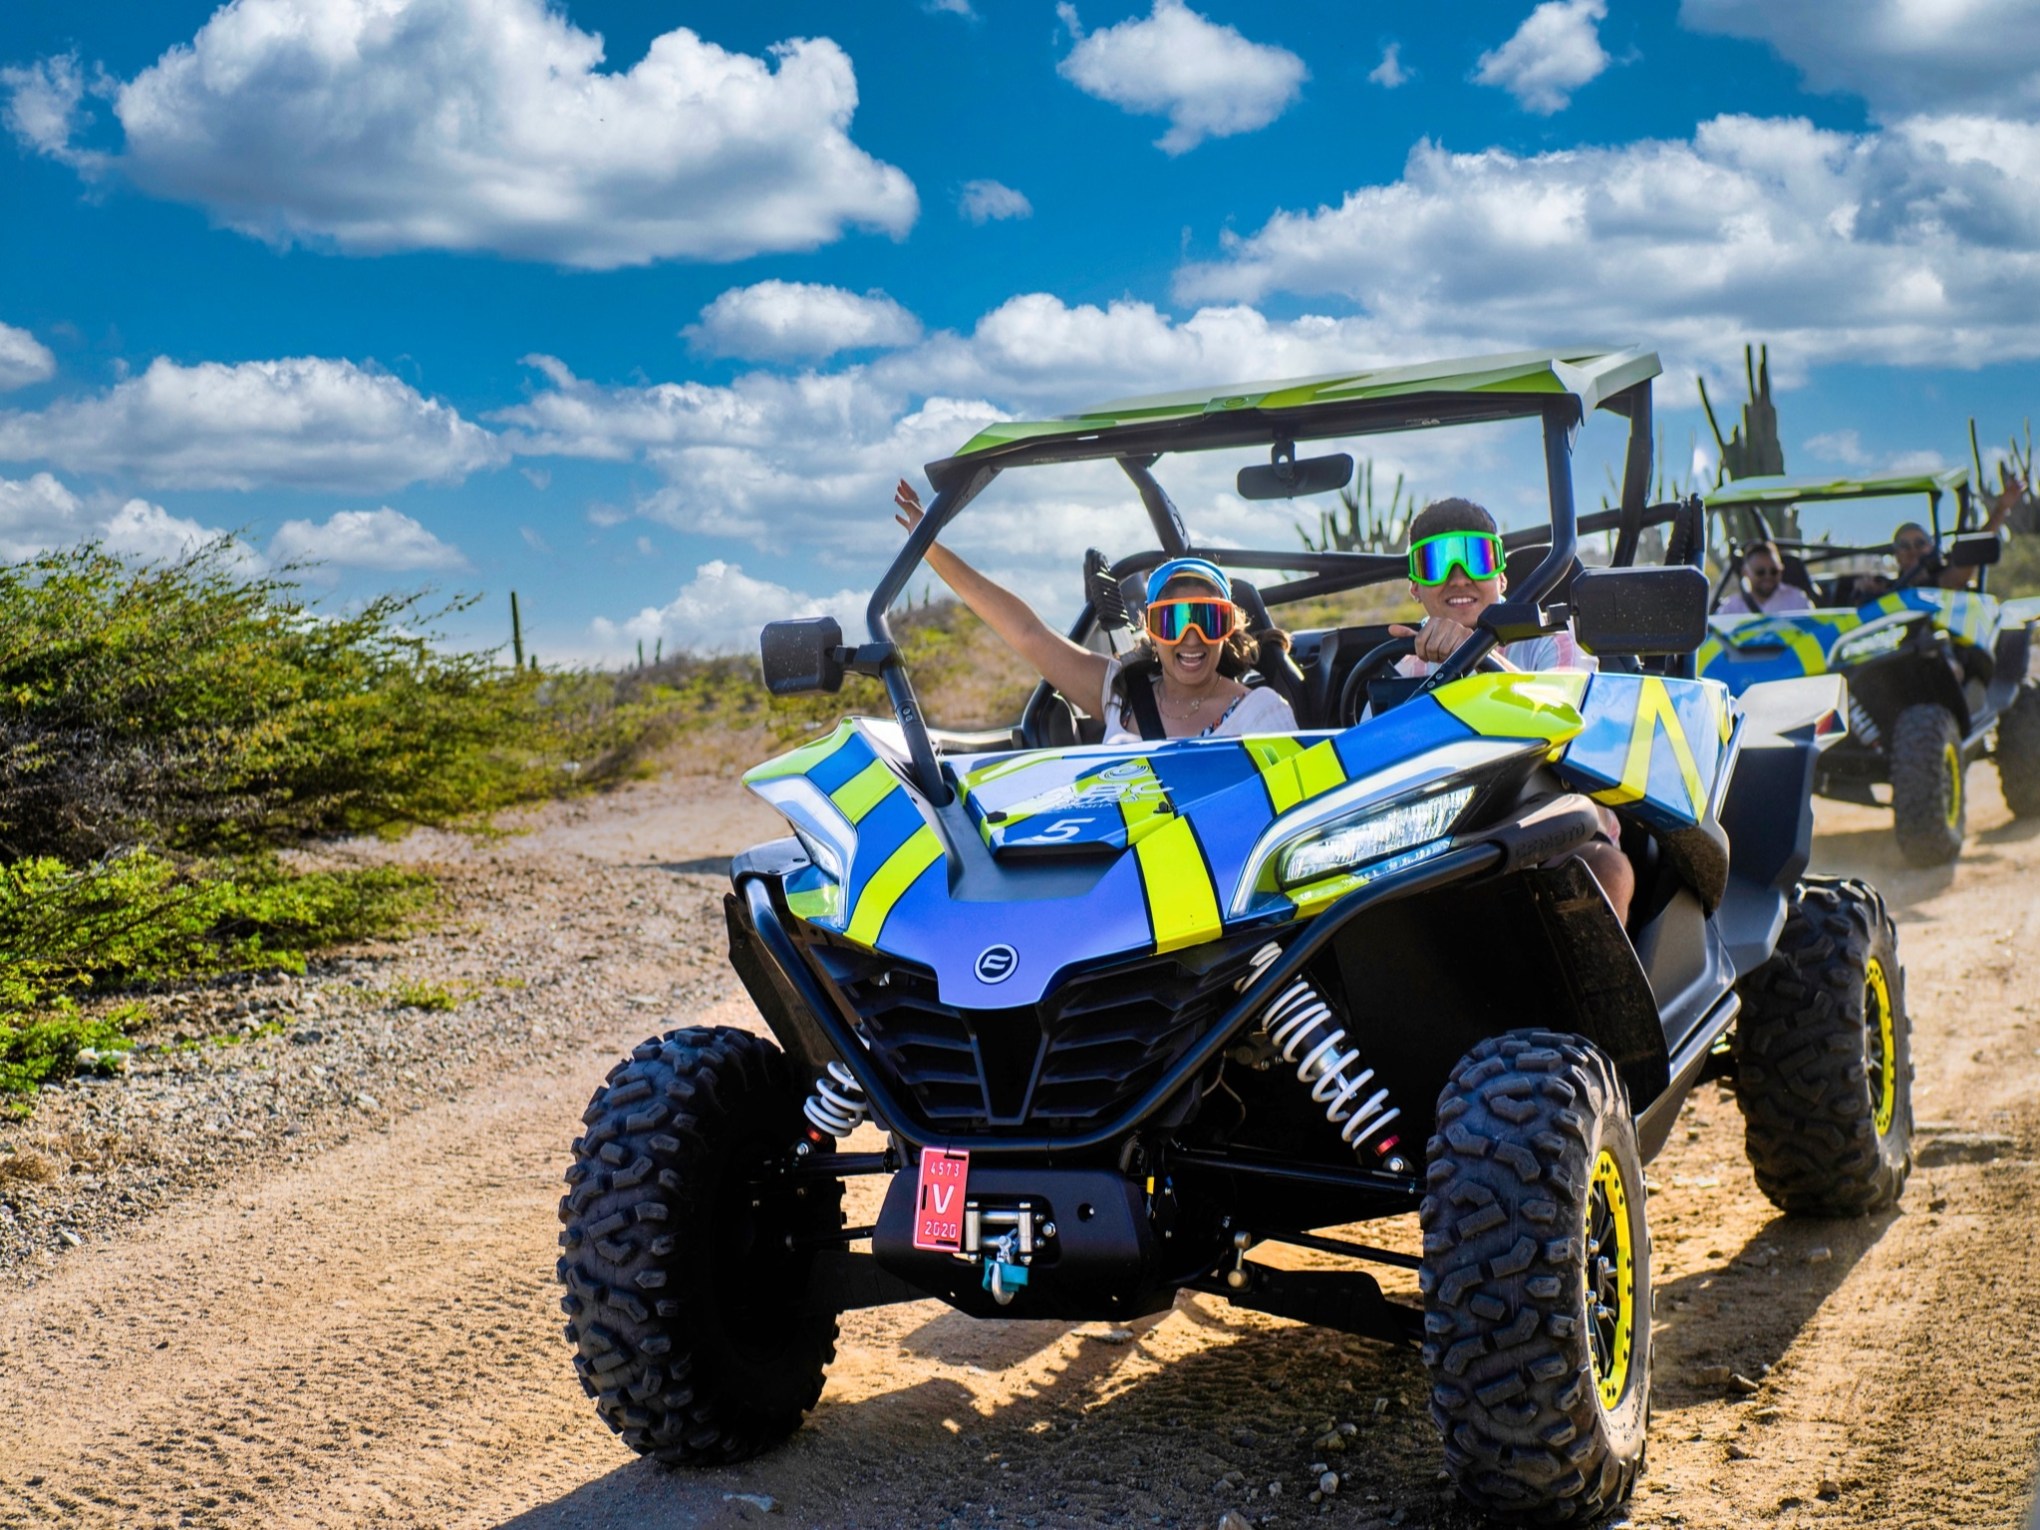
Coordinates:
<point>1559,389</point>
<point>1760,500</point>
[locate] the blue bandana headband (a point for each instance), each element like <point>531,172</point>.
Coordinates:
<point>1188,568</point>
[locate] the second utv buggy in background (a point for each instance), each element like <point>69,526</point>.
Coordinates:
<point>1126,1013</point>
<point>1937,677</point>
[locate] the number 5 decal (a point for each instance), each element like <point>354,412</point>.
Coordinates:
<point>1060,832</point>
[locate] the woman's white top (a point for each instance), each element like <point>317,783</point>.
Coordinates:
<point>1260,710</point>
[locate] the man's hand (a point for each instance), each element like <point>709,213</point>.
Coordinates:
<point>1436,639</point>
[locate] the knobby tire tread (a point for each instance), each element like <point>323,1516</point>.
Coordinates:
<point>1803,1064</point>
<point>651,1342</point>
<point>1513,1393</point>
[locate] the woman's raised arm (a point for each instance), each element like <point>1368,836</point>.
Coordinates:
<point>1077,672</point>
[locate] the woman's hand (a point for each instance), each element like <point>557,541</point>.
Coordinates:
<point>910,505</point>
<point>1435,639</point>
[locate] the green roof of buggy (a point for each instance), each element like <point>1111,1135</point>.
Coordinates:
<point>1515,382</point>
<point>1786,491</point>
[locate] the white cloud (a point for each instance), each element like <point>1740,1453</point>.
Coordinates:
<point>46,106</point>
<point>380,125</point>
<point>1915,246</point>
<point>1208,80</point>
<point>1843,446</point>
<point>988,202</point>
<point>952,7</point>
<point>150,534</point>
<point>1389,73</point>
<point>1899,55</point>
<point>385,540</point>
<point>304,422</point>
<point>23,359</point>
<point>39,514</point>
<point>720,610</point>
<point>783,321</point>
<point>1552,54</point>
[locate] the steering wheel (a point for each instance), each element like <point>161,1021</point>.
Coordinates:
<point>1379,658</point>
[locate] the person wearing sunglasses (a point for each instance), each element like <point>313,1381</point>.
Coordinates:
<point>1762,587</point>
<point>1456,572</point>
<point>1183,681</point>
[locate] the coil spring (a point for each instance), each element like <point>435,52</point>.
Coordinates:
<point>1304,1030</point>
<point>839,1105</point>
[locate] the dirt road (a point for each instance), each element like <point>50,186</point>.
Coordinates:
<point>369,1335</point>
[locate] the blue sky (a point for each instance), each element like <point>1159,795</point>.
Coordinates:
<point>638,308</point>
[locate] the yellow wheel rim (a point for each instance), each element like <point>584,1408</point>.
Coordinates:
<point>1954,758</point>
<point>1610,1280</point>
<point>1880,1030</point>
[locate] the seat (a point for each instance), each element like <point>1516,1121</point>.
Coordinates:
<point>1795,573</point>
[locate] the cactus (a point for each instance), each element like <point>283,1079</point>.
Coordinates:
<point>2022,515</point>
<point>1366,529</point>
<point>516,632</point>
<point>1752,449</point>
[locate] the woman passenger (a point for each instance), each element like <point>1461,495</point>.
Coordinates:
<point>1193,646</point>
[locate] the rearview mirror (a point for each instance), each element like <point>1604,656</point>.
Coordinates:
<point>805,654</point>
<point>1975,551</point>
<point>1291,477</point>
<point>1640,610</point>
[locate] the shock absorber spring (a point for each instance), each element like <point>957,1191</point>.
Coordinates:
<point>1303,1029</point>
<point>839,1105</point>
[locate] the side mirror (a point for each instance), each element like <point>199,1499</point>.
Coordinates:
<point>805,654</point>
<point>1290,476</point>
<point>1640,610</point>
<point>1975,551</point>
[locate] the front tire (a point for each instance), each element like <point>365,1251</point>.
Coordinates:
<point>1928,805</point>
<point>1536,1280</point>
<point>686,1309</point>
<point>2018,751</point>
<point>1824,1057</point>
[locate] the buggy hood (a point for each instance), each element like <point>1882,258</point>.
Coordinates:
<point>1055,859</point>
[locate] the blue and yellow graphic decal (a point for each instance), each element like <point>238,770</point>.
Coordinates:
<point>1741,651</point>
<point>1653,746</point>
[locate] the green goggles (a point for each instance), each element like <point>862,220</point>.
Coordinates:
<point>1477,553</point>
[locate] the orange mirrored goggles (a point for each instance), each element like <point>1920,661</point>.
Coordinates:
<point>1171,621</point>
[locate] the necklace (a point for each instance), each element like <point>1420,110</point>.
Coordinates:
<point>1193,709</point>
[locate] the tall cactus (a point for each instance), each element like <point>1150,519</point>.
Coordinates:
<point>1752,449</point>
<point>2016,466</point>
<point>516,632</point>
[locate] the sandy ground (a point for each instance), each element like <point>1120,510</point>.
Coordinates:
<point>368,1335</point>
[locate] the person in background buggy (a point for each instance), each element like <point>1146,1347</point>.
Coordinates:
<point>1762,588</point>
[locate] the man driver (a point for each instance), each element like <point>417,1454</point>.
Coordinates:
<point>1762,587</point>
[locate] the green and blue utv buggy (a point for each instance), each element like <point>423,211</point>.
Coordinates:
<point>1936,675</point>
<point>1125,1014</point>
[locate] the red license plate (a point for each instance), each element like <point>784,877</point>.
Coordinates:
<point>938,1203</point>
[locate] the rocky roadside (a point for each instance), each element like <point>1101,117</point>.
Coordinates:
<point>535,948</point>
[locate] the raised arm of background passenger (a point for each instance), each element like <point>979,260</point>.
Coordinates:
<point>1077,672</point>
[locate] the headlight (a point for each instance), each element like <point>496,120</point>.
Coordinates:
<point>824,833</point>
<point>1871,641</point>
<point>1345,844</point>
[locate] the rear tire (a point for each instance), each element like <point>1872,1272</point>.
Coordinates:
<point>1929,807</point>
<point>687,1313</point>
<point>2018,751</point>
<point>1824,1057</point>
<point>1536,1280</point>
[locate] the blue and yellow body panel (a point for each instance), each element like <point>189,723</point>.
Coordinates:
<point>1742,651</point>
<point>1082,855</point>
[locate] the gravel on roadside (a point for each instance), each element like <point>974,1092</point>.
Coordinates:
<point>540,949</point>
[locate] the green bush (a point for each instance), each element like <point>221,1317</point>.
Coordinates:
<point>68,933</point>
<point>192,707</point>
